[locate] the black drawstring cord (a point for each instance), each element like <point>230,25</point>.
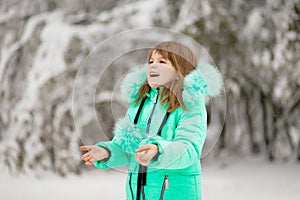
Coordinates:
<point>141,182</point>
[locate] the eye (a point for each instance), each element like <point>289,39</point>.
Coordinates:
<point>150,62</point>
<point>162,61</point>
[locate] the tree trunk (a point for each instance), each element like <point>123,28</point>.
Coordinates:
<point>265,123</point>
<point>298,151</point>
<point>253,143</point>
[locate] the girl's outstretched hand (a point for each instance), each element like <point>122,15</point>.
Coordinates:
<point>94,153</point>
<point>146,153</point>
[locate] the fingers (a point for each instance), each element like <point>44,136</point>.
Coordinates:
<point>85,156</point>
<point>141,159</point>
<point>144,159</point>
<point>88,163</point>
<point>144,148</point>
<point>145,154</point>
<point>88,158</point>
<point>85,148</point>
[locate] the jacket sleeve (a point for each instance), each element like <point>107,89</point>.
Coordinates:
<point>185,149</point>
<point>118,156</point>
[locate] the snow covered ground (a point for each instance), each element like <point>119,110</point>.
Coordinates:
<point>249,179</point>
<point>242,179</point>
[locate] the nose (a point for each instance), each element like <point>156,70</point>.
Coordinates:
<point>152,65</point>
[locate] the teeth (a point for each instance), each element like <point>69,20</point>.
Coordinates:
<point>153,74</point>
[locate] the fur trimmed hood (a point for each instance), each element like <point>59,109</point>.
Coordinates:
<point>204,80</point>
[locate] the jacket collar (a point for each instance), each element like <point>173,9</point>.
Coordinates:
<point>153,92</point>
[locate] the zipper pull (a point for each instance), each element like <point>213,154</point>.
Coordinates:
<point>155,98</point>
<point>167,182</point>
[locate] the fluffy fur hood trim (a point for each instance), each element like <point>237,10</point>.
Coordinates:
<point>204,80</point>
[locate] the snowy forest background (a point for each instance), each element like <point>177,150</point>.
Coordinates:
<point>255,44</point>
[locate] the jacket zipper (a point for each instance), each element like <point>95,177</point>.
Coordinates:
<point>164,186</point>
<point>152,112</point>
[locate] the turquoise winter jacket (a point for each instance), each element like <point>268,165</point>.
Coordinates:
<point>176,172</point>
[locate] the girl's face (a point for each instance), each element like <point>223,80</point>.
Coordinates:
<point>160,71</point>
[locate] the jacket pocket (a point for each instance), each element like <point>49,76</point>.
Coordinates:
<point>164,187</point>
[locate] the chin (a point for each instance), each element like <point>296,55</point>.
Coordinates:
<point>153,85</point>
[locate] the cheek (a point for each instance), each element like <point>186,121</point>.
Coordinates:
<point>169,73</point>
<point>148,69</point>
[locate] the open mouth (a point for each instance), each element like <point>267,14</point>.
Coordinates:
<point>154,74</point>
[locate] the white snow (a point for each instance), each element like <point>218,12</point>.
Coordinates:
<point>192,11</point>
<point>254,24</point>
<point>140,12</point>
<point>242,179</point>
<point>248,179</point>
<point>49,60</point>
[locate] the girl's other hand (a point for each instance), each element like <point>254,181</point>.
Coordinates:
<point>146,153</point>
<point>94,153</point>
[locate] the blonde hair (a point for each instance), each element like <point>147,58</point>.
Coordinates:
<point>184,61</point>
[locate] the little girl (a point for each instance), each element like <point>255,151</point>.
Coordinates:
<point>164,129</point>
